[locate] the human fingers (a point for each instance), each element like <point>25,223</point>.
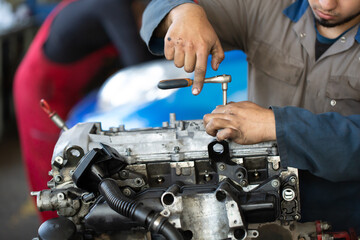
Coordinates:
<point>169,48</point>
<point>214,122</point>
<point>200,70</point>
<point>219,109</point>
<point>208,117</point>
<point>179,57</point>
<point>228,133</point>
<point>190,59</point>
<point>218,55</point>
<point>226,109</point>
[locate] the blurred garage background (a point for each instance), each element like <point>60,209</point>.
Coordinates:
<point>19,21</point>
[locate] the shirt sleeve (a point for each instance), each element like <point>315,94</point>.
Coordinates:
<point>327,144</point>
<point>154,13</point>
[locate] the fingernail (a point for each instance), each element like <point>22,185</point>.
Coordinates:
<point>195,91</point>
<point>217,66</point>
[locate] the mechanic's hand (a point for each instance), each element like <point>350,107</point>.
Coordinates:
<point>189,40</point>
<point>242,122</point>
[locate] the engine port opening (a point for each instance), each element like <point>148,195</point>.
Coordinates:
<point>240,233</point>
<point>220,196</point>
<point>168,199</point>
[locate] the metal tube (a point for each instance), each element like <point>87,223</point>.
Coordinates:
<point>224,88</point>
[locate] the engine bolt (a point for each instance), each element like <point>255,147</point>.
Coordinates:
<point>128,151</point>
<point>207,176</point>
<point>61,196</point>
<point>222,167</point>
<point>176,149</point>
<point>138,181</point>
<point>124,174</point>
<point>59,160</point>
<point>165,213</point>
<point>293,179</point>
<point>127,192</point>
<point>243,183</point>
<point>58,178</point>
<point>275,183</point>
<point>160,180</point>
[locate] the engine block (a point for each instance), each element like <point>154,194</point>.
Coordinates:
<point>206,189</point>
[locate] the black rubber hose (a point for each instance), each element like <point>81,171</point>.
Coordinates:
<point>170,232</point>
<point>136,211</point>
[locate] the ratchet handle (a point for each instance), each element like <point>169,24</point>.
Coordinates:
<point>175,83</point>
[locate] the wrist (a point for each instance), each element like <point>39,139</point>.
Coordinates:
<point>183,10</point>
<point>270,131</point>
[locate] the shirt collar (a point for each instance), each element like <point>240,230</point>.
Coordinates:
<point>296,10</point>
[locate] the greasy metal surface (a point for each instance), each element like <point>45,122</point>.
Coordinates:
<point>155,144</point>
<point>202,214</point>
<point>158,158</point>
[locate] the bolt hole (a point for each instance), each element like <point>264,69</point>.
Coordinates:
<point>239,233</point>
<point>218,148</point>
<point>168,199</point>
<point>166,213</point>
<point>220,196</point>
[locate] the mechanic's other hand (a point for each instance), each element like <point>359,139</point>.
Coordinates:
<point>242,122</point>
<point>189,41</point>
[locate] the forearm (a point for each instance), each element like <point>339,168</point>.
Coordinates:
<point>327,145</point>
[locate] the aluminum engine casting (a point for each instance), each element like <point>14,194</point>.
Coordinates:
<point>140,183</point>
